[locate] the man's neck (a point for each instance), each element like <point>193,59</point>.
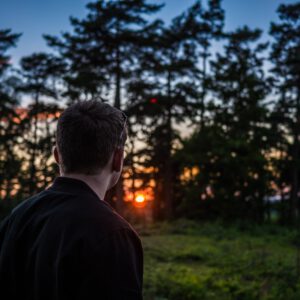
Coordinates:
<point>96,182</point>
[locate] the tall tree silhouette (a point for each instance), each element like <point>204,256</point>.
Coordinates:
<point>163,95</point>
<point>286,59</point>
<point>103,47</point>
<point>231,152</point>
<point>10,130</point>
<point>102,51</point>
<point>40,72</point>
<point>204,25</point>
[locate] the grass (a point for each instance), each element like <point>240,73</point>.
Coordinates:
<point>186,261</point>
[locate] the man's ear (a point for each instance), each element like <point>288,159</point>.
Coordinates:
<point>117,160</point>
<point>56,155</point>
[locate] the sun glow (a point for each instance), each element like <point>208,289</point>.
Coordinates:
<point>140,198</point>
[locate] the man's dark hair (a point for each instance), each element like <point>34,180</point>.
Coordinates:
<point>87,134</point>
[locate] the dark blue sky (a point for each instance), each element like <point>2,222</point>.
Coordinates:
<point>35,17</point>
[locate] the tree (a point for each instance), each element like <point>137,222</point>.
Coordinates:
<point>9,123</point>
<point>40,72</point>
<point>204,26</point>
<point>286,71</point>
<point>162,94</point>
<point>231,154</point>
<point>167,90</point>
<point>102,51</point>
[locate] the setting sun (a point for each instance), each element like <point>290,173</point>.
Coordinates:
<point>140,198</point>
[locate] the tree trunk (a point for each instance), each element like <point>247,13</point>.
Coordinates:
<point>293,209</point>
<point>168,186</point>
<point>158,201</point>
<point>119,187</point>
<point>33,183</point>
<point>283,209</point>
<point>203,94</point>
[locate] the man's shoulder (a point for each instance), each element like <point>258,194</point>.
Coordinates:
<point>105,221</point>
<point>90,216</point>
<point>74,216</point>
<point>23,207</point>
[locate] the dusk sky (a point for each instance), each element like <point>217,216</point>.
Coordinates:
<point>35,17</point>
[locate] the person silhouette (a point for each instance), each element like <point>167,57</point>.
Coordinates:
<point>66,242</point>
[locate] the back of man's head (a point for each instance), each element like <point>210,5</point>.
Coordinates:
<point>88,133</point>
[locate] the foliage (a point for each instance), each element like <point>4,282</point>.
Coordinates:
<point>286,113</point>
<point>235,136</point>
<point>10,130</point>
<point>170,75</point>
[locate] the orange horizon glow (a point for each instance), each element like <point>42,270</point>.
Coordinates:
<point>139,195</point>
<point>23,113</point>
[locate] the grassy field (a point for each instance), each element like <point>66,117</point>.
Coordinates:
<point>186,260</point>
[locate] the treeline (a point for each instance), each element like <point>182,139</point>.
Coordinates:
<point>242,104</point>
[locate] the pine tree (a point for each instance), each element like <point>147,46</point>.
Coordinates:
<point>286,60</point>
<point>204,26</point>
<point>163,94</point>
<point>102,52</point>
<point>9,124</point>
<point>103,47</point>
<point>40,73</point>
<point>231,154</point>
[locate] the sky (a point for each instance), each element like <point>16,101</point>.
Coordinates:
<point>36,17</point>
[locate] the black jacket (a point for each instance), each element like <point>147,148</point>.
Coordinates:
<point>66,243</point>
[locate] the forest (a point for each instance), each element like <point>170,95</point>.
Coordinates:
<point>212,134</point>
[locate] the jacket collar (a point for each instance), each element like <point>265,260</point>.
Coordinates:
<point>73,185</point>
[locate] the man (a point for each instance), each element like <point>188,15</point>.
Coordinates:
<point>66,242</point>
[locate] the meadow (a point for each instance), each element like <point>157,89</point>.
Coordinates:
<point>186,260</point>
